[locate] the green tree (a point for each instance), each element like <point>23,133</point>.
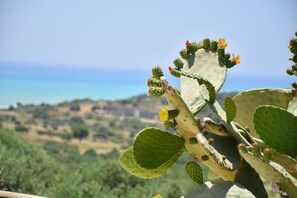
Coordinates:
<point>80,131</point>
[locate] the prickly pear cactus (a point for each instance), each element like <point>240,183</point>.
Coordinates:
<point>254,142</point>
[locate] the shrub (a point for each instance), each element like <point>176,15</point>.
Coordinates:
<point>74,107</point>
<point>24,168</point>
<point>21,128</point>
<point>79,131</point>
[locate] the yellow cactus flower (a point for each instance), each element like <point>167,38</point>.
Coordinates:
<point>158,196</point>
<point>163,114</point>
<point>222,43</point>
<point>236,59</point>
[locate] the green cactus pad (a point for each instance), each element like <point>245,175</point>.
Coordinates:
<point>230,109</point>
<point>206,64</point>
<point>194,171</point>
<point>292,107</point>
<point>250,179</point>
<point>153,148</point>
<point>247,102</point>
<point>277,128</point>
<point>128,163</point>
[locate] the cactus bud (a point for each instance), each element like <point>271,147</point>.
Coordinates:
<point>256,149</point>
<point>294,85</point>
<point>178,63</point>
<point>226,57</point>
<point>293,50</point>
<point>267,154</point>
<point>153,82</point>
<point>294,59</point>
<point>170,123</point>
<point>174,72</point>
<point>289,72</point>
<point>221,52</point>
<point>192,47</point>
<point>206,43</point>
<point>156,92</point>
<point>184,54</point>
<point>230,64</point>
<point>294,67</point>
<point>193,140</point>
<point>157,72</point>
<point>213,46</point>
<point>204,157</point>
<point>293,43</point>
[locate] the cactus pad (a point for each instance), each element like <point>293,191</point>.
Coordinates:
<point>194,171</point>
<point>271,172</point>
<point>230,109</point>
<point>264,169</point>
<point>247,102</point>
<point>277,128</point>
<point>285,161</point>
<point>207,65</point>
<point>153,148</point>
<point>128,163</point>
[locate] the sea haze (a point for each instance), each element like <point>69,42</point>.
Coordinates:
<point>33,84</point>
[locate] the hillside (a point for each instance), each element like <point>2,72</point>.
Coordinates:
<point>102,125</point>
<point>40,153</point>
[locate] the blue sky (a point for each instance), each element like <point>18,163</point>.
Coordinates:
<point>141,34</point>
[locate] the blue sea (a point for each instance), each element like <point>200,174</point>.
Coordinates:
<point>34,84</point>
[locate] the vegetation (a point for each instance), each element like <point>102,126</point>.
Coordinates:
<point>60,171</point>
<point>74,107</point>
<point>79,131</point>
<point>45,158</point>
<point>251,143</point>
